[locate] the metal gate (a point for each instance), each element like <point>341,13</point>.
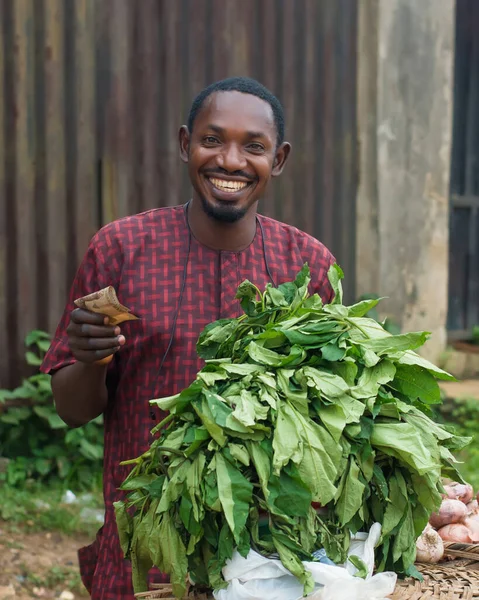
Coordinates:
<point>464,228</point>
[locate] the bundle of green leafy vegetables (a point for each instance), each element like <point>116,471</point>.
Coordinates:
<point>298,403</point>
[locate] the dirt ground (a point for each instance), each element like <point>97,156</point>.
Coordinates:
<point>466,389</point>
<point>39,565</point>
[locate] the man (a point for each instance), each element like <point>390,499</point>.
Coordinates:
<point>177,269</point>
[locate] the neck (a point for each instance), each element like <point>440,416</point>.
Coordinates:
<point>217,235</point>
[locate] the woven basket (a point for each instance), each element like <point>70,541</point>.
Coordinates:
<point>165,592</point>
<point>457,578</point>
<point>454,579</point>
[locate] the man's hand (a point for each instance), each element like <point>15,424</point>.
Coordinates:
<point>90,337</point>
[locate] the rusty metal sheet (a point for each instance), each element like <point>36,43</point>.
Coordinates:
<point>4,358</point>
<point>120,76</point>
<point>55,271</point>
<point>85,159</point>
<point>24,223</point>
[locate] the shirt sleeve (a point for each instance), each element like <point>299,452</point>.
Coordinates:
<point>99,269</point>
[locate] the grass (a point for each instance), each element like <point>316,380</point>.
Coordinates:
<point>56,577</point>
<point>40,508</point>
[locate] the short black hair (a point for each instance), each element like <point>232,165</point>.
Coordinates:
<point>245,85</point>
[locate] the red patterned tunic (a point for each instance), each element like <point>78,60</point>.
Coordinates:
<point>152,260</point>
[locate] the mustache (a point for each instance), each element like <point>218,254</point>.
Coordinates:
<point>228,173</point>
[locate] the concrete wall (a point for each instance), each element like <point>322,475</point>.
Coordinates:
<point>404,112</point>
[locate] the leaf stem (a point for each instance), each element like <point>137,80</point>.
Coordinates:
<point>163,423</point>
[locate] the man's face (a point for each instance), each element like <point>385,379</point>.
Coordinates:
<point>232,153</point>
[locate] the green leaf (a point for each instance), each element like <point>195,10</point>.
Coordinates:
<point>194,438</point>
<point>124,525</point>
<point>240,453</point>
<point>346,369</point>
<point>335,274</point>
<point>416,382</point>
<point>35,337</point>
<point>398,500</point>
<point>155,488</point>
<point>320,455</point>
<point>174,487</point>
<point>289,493</point>
<point>293,563</point>
<point>262,464</point>
<point>405,541</point>
<point>351,497</point>
<point>56,422</point>
<point>193,479</point>
<point>362,569</point>
<point>333,418</point>
<point>329,385</point>
<point>141,562</point>
<point>353,409</point>
<point>169,554</point>
<point>213,335</point>
<point>247,294</point>
<point>91,451</point>
<point>372,378</point>
<point>332,352</point>
<point>141,481</point>
<point>404,442</point>
<point>208,419</point>
<point>235,493</point>
<point>411,358</point>
<point>395,343</point>
<point>18,413</point>
<point>33,359</point>
<point>360,309</point>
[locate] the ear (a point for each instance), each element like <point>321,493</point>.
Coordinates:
<point>280,158</point>
<point>184,139</point>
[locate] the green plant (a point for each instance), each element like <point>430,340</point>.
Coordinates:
<point>389,324</point>
<point>34,442</point>
<point>39,507</point>
<point>462,417</point>
<point>57,576</point>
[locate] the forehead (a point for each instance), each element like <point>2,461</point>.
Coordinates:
<point>237,111</point>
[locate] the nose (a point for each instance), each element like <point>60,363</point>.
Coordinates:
<point>231,158</point>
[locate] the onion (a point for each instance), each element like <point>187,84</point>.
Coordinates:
<point>450,511</point>
<point>455,533</point>
<point>472,523</point>
<point>472,508</point>
<point>459,491</point>
<point>429,546</point>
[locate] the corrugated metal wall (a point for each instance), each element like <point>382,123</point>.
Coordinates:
<point>92,93</point>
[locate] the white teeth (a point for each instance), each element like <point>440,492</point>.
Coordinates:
<point>228,186</point>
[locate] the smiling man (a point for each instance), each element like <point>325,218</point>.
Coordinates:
<point>177,269</point>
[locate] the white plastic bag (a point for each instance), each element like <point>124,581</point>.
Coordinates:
<point>260,578</point>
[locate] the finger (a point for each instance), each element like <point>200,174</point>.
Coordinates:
<point>93,356</point>
<point>84,343</point>
<point>80,316</point>
<point>93,331</point>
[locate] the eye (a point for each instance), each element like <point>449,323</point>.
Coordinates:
<point>210,139</point>
<point>256,147</point>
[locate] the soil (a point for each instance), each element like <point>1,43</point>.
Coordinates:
<point>465,389</point>
<point>39,565</point>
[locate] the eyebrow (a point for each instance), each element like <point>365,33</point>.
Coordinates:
<point>250,134</point>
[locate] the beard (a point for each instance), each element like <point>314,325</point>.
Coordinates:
<point>223,212</point>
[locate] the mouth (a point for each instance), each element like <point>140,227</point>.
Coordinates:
<point>228,186</point>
